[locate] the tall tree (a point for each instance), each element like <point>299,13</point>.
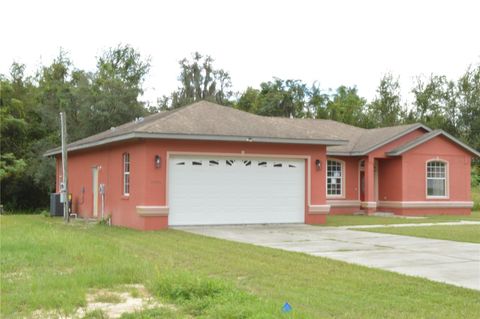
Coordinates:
<point>199,80</point>
<point>347,106</point>
<point>386,108</point>
<point>435,103</point>
<point>116,88</point>
<point>282,98</point>
<point>469,106</point>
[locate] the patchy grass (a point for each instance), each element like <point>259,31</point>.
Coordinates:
<point>51,266</point>
<point>155,313</point>
<point>108,297</point>
<point>95,314</point>
<point>350,220</point>
<point>465,233</point>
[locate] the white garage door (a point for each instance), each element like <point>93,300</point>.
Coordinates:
<point>235,190</point>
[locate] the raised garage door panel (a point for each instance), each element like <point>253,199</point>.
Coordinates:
<point>235,190</point>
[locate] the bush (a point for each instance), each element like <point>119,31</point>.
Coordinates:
<point>45,213</point>
<point>475,176</point>
<point>476,198</point>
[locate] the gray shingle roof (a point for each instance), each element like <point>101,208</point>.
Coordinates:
<point>209,121</point>
<point>363,141</point>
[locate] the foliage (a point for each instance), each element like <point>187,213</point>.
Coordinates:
<point>10,166</point>
<point>386,109</point>
<point>286,98</point>
<point>347,106</point>
<point>116,86</point>
<point>476,198</point>
<point>199,80</point>
<point>29,116</point>
<point>475,175</point>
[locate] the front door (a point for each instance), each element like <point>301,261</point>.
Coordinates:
<point>95,190</point>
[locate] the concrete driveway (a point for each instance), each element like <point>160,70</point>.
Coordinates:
<point>446,261</point>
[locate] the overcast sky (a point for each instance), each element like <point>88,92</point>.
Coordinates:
<point>332,42</point>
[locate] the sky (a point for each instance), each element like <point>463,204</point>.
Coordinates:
<point>331,42</point>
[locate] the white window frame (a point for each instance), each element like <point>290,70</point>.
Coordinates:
<point>446,178</point>
<point>126,174</point>
<point>342,179</point>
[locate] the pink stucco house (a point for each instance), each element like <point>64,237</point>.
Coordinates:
<point>211,164</point>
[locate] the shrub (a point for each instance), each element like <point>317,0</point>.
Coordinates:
<point>45,213</point>
<point>475,176</point>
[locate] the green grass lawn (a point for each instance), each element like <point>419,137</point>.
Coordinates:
<point>350,220</point>
<point>465,233</point>
<point>48,265</point>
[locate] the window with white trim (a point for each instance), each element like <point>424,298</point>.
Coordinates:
<point>126,174</point>
<point>436,179</point>
<point>334,178</point>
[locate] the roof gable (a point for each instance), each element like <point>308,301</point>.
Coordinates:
<point>364,141</point>
<point>427,137</point>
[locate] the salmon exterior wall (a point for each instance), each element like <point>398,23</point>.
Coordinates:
<point>390,179</point>
<point>110,163</point>
<point>414,166</point>
<point>148,184</point>
<point>381,151</point>
<point>157,194</point>
<point>403,178</point>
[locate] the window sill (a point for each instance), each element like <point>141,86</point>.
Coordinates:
<point>125,197</point>
<point>335,197</point>
<point>438,197</point>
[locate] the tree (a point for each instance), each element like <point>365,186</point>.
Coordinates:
<point>316,104</point>
<point>435,103</point>
<point>346,106</point>
<point>248,100</point>
<point>386,108</point>
<point>468,95</point>
<point>282,98</point>
<point>115,89</point>
<point>30,116</point>
<point>199,80</point>
<point>21,130</point>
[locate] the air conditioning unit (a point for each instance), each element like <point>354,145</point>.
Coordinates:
<point>56,207</point>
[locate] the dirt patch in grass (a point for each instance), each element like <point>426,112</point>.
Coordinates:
<point>113,303</point>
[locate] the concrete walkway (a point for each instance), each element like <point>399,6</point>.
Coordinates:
<point>459,223</point>
<point>445,261</point>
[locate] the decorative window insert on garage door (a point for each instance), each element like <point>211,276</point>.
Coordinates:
<point>205,190</point>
